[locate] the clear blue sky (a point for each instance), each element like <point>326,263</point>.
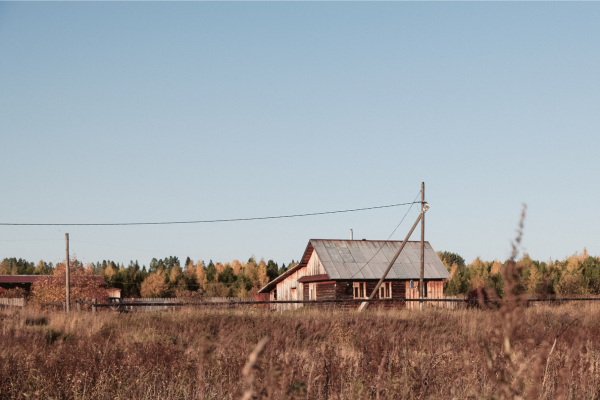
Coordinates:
<point>118,112</point>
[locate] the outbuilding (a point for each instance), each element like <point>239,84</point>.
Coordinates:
<point>350,269</point>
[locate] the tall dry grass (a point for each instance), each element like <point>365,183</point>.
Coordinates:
<point>314,354</point>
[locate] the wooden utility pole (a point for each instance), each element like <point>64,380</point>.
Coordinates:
<point>422,245</point>
<point>67,276</point>
<point>364,305</point>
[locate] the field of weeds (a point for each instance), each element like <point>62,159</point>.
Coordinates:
<point>541,352</point>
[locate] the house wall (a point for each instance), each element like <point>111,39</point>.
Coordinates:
<point>344,291</point>
<point>290,289</point>
<point>325,290</point>
<point>435,290</point>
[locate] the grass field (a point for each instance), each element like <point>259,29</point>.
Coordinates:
<point>314,354</point>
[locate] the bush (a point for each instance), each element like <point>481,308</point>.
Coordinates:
<point>15,293</point>
<point>50,289</point>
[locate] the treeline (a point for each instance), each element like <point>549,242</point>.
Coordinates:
<point>577,275</point>
<point>165,277</point>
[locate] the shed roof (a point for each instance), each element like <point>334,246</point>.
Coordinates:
<point>368,259</point>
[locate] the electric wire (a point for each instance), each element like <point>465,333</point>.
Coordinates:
<point>210,220</point>
<point>394,231</point>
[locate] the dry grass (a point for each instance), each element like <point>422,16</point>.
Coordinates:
<point>311,354</point>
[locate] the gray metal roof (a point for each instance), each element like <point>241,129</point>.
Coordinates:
<point>368,259</point>
<point>347,259</point>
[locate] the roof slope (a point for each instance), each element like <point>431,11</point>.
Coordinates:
<point>368,259</point>
<point>347,260</point>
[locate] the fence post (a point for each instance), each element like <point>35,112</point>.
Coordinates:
<point>78,305</point>
<point>64,304</point>
<point>94,302</point>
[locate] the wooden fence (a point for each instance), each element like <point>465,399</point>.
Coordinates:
<point>170,300</point>
<point>12,302</point>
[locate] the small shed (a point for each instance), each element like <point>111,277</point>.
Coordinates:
<point>350,269</point>
<point>113,292</point>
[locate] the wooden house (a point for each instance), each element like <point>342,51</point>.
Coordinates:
<point>350,269</point>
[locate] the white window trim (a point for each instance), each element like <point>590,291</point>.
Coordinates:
<point>359,287</point>
<point>386,290</point>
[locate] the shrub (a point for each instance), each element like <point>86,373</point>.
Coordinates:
<point>49,289</point>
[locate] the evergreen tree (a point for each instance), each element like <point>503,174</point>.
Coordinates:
<point>211,271</point>
<point>227,275</point>
<point>272,270</point>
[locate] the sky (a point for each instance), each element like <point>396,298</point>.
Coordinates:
<point>149,112</point>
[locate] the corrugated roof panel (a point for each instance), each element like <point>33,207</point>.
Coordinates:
<point>389,252</point>
<point>367,272</point>
<point>400,271</point>
<point>381,257</point>
<point>432,267</point>
<point>331,270</point>
<point>345,259</point>
<point>354,271</point>
<point>413,251</point>
<point>432,271</point>
<point>357,254</point>
<point>334,254</point>
<point>368,253</point>
<point>322,253</point>
<point>346,255</point>
<point>392,274</point>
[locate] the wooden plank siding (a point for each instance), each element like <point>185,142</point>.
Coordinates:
<point>344,291</point>
<point>435,290</point>
<point>291,289</point>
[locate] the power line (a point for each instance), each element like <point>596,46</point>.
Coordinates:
<point>212,220</point>
<point>391,234</point>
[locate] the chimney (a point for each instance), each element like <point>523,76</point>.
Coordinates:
<point>351,235</point>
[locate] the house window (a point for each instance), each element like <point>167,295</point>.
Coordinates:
<point>385,290</point>
<point>360,290</point>
<point>424,289</point>
<point>412,284</point>
<point>312,291</point>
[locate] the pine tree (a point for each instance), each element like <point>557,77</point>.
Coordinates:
<point>211,271</point>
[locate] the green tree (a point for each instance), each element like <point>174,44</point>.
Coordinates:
<point>227,276</point>
<point>449,259</point>
<point>272,270</point>
<point>211,271</point>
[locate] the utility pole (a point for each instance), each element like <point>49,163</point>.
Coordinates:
<point>422,245</point>
<point>68,282</point>
<point>363,306</point>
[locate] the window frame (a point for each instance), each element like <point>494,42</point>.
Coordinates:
<point>385,290</point>
<point>359,288</point>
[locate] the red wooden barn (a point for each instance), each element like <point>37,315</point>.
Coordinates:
<point>350,269</point>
